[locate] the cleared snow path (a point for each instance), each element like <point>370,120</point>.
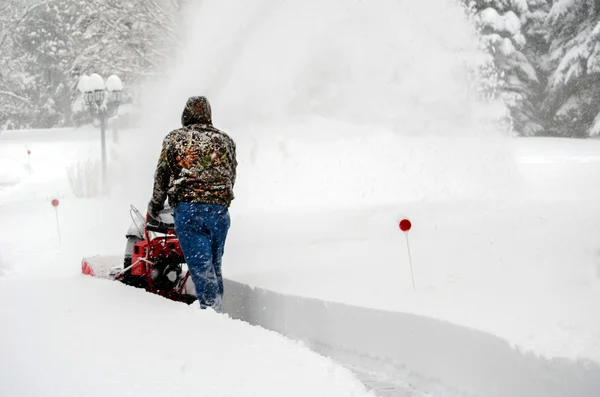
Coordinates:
<point>444,359</point>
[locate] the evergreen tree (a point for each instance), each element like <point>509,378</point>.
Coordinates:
<point>46,45</point>
<point>574,57</point>
<point>43,41</point>
<point>13,80</point>
<point>513,32</point>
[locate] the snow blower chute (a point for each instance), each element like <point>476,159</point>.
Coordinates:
<point>153,259</point>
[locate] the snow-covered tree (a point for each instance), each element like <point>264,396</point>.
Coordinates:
<point>129,38</point>
<point>13,80</point>
<point>43,40</point>
<point>513,32</point>
<point>572,102</point>
<point>46,45</point>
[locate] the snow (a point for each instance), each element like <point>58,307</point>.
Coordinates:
<point>413,355</point>
<point>79,336</point>
<point>519,40</point>
<point>570,63</point>
<point>329,71</point>
<point>528,69</point>
<point>520,6</point>
<point>82,336</point>
<point>596,30</point>
<point>508,22</point>
<point>128,109</point>
<point>595,130</point>
<point>322,187</point>
<point>506,47</point>
<point>512,23</point>
<point>559,9</point>
<point>575,70</point>
<point>492,18</point>
<point>480,262</point>
<point>593,62</point>
<point>95,83</point>
<point>341,133</point>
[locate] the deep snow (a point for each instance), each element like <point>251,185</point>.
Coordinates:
<point>65,334</point>
<point>523,268</point>
<point>343,129</point>
<point>78,336</point>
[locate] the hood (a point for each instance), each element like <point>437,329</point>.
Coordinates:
<point>197,111</point>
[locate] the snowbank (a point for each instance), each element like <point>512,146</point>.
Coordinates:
<point>81,336</point>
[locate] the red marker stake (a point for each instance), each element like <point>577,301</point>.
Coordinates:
<point>55,204</point>
<point>405,226</point>
<point>29,160</point>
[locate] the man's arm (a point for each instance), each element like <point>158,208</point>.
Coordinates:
<point>162,177</point>
<point>233,164</point>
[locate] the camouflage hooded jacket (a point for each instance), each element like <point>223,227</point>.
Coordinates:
<point>197,163</point>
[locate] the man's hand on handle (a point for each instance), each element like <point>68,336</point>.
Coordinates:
<point>153,212</point>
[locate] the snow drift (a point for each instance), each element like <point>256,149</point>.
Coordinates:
<point>80,336</point>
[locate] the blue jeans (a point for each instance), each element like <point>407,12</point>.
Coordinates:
<point>202,230</point>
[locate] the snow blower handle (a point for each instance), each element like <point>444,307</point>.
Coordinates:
<point>154,225</point>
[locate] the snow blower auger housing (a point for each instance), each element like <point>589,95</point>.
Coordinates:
<point>153,259</point>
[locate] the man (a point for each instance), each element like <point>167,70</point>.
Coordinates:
<point>197,171</point>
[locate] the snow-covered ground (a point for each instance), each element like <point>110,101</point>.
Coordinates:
<point>343,129</point>
<point>522,268</point>
<point>521,261</point>
<point>77,336</point>
<point>64,334</point>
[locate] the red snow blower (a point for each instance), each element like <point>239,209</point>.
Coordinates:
<point>153,259</point>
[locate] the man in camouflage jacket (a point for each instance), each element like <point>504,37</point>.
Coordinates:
<point>196,171</point>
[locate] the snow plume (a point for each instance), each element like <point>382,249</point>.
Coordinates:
<point>275,70</point>
<point>3,268</point>
<point>394,64</point>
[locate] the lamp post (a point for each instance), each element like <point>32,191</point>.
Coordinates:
<point>104,106</point>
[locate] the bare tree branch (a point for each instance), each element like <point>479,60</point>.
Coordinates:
<point>13,95</point>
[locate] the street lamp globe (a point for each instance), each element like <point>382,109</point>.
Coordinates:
<point>99,96</point>
<point>114,83</point>
<point>83,83</point>
<point>115,86</point>
<point>88,97</point>
<point>96,84</point>
<point>84,87</point>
